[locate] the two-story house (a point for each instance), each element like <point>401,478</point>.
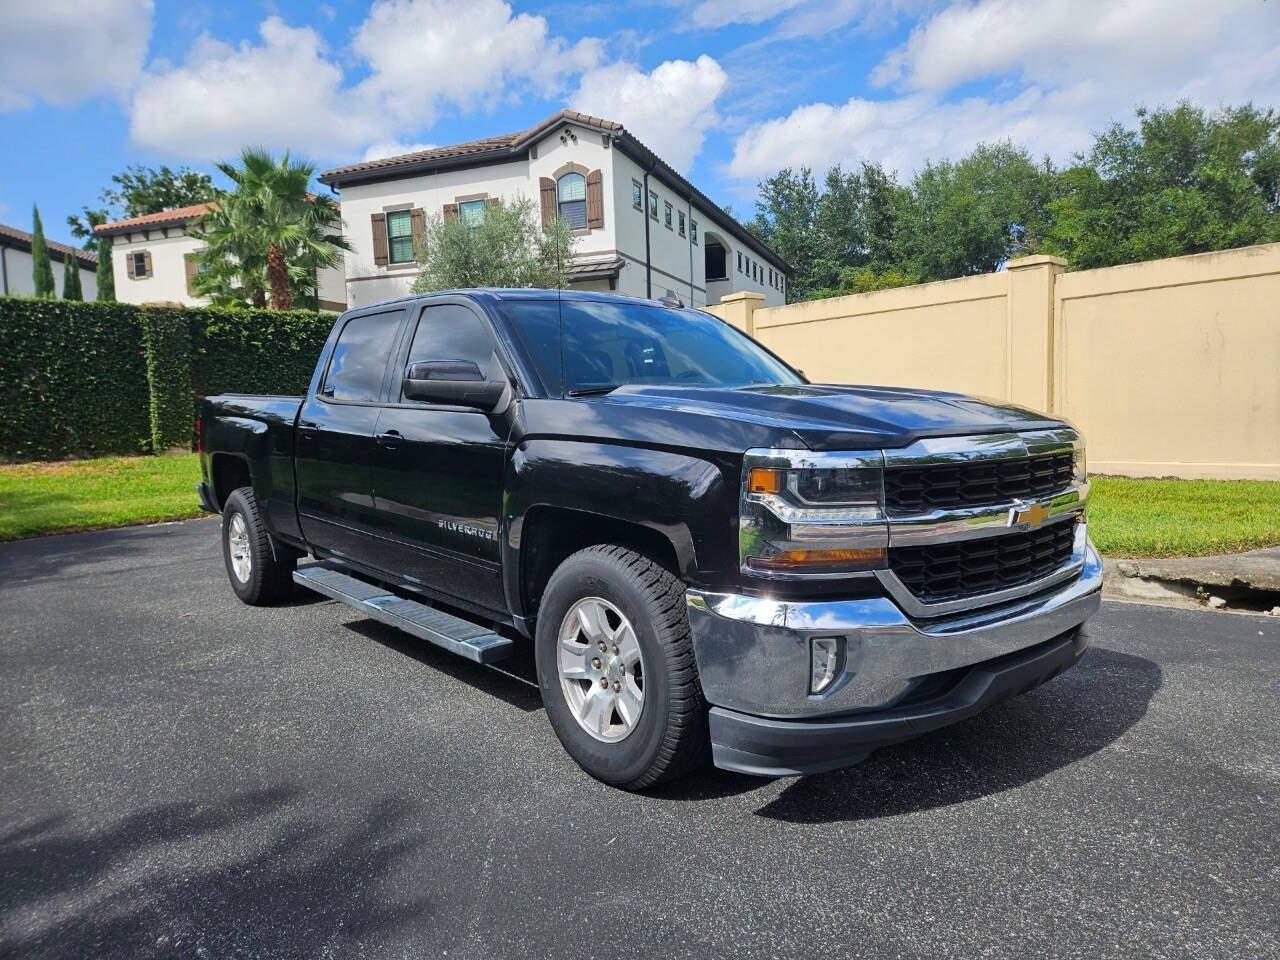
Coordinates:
<point>644,229</point>
<point>153,259</point>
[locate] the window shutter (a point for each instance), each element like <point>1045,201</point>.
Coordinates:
<point>595,200</point>
<point>548,191</point>
<point>417,226</point>
<point>128,259</point>
<point>189,262</point>
<point>146,263</point>
<point>450,212</point>
<point>379,221</point>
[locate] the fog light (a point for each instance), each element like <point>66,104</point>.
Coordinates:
<point>826,656</point>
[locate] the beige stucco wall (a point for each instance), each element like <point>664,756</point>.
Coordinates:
<point>1173,367</point>
<point>1170,368</point>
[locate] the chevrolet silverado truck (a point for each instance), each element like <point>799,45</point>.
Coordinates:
<point>709,554</point>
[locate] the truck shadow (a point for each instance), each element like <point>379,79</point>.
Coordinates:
<point>203,879</point>
<point>514,681</point>
<point>1015,743</point>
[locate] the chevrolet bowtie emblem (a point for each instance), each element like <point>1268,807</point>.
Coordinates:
<point>1032,514</point>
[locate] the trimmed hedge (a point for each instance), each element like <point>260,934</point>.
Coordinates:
<point>73,379</point>
<point>255,351</point>
<point>167,336</point>
<point>92,378</point>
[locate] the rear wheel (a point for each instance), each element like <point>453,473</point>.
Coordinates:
<point>260,572</point>
<point>616,668</point>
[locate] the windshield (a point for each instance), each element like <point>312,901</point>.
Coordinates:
<point>609,344</point>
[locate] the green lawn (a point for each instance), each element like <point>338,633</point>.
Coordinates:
<point>1127,518</point>
<point>1167,518</point>
<point>38,498</point>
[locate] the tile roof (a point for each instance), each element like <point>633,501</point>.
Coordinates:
<point>165,218</point>
<point>512,144</point>
<point>505,142</point>
<point>177,217</point>
<point>21,240</point>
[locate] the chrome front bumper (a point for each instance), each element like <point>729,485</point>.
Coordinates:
<point>753,653</point>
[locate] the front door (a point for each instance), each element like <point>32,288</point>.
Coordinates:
<point>335,440</point>
<point>438,468</point>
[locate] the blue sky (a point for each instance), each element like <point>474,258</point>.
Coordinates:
<point>726,90</point>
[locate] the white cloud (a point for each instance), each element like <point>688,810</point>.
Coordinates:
<point>1066,69</point>
<point>1139,40</point>
<point>797,18</point>
<point>393,148</point>
<point>423,53</point>
<point>719,13</point>
<point>288,89</point>
<point>284,91</point>
<point>62,51</point>
<point>669,109</point>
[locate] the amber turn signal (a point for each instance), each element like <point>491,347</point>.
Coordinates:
<point>867,558</point>
<point>764,480</point>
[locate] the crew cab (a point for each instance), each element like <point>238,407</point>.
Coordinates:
<point>710,555</point>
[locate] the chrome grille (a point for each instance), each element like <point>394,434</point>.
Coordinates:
<point>939,572</point>
<point>910,490</point>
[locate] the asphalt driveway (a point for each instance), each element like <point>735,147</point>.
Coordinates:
<point>184,776</point>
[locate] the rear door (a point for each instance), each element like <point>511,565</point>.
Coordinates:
<point>438,468</point>
<point>336,437</point>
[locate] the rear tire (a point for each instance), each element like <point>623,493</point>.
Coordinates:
<point>615,665</point>
<point>260,572</point>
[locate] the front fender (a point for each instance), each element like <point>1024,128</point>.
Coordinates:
<point>683,497</point>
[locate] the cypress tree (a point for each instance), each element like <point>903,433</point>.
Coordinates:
<point>106,273</point>
<point>41,266</point>
<point>71,278</point>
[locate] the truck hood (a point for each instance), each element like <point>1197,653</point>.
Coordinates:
<point>829,417</point>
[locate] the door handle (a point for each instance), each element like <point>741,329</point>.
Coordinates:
<point>388,438</point>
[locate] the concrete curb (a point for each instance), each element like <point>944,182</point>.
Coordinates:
<point>1240,581</point>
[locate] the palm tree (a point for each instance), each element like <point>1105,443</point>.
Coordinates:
<point>269,234</point>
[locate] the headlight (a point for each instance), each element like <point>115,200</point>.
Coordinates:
<point>812,514</point>
<point>1079,464</point>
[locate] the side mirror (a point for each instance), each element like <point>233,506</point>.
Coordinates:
<point>458,382</point>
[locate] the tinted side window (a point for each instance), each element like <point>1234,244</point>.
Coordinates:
<point>360,357</point>
<point>452,332</point>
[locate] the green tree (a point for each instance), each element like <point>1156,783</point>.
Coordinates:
<point>82,229</point>
<point>509,247</point>
<point>41,266</point>
<point>786,220</point>
<point>971,215</point>
<point>269,235</point>
<point>852,221</point>
<point>71,278</point>
<point>106,275</point>
<point>138,190</point>
<point>866,280</point>
<point>1184,181</point>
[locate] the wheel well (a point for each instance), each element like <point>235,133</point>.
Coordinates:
<point>549,535</point>
<point>229,473</point>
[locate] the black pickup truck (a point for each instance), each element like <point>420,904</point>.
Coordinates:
<point>709,554</point>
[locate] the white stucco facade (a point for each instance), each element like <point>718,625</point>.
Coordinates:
<point>161,254</point>
<point>668,261</point>
<point>167,280</point>
<point>17,278</point>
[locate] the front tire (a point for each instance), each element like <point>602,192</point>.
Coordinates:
<point>616,668</point>
<point>259,574</point>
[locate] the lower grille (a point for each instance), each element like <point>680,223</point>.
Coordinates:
<point>969,568</point>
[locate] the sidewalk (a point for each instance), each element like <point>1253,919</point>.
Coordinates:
<point>1245,581</point>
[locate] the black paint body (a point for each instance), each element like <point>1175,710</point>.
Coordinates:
<point>444,499</point>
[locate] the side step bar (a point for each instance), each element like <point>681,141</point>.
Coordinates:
<point>444,630</point>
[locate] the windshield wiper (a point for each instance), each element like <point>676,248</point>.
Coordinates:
<point>594,390</point>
